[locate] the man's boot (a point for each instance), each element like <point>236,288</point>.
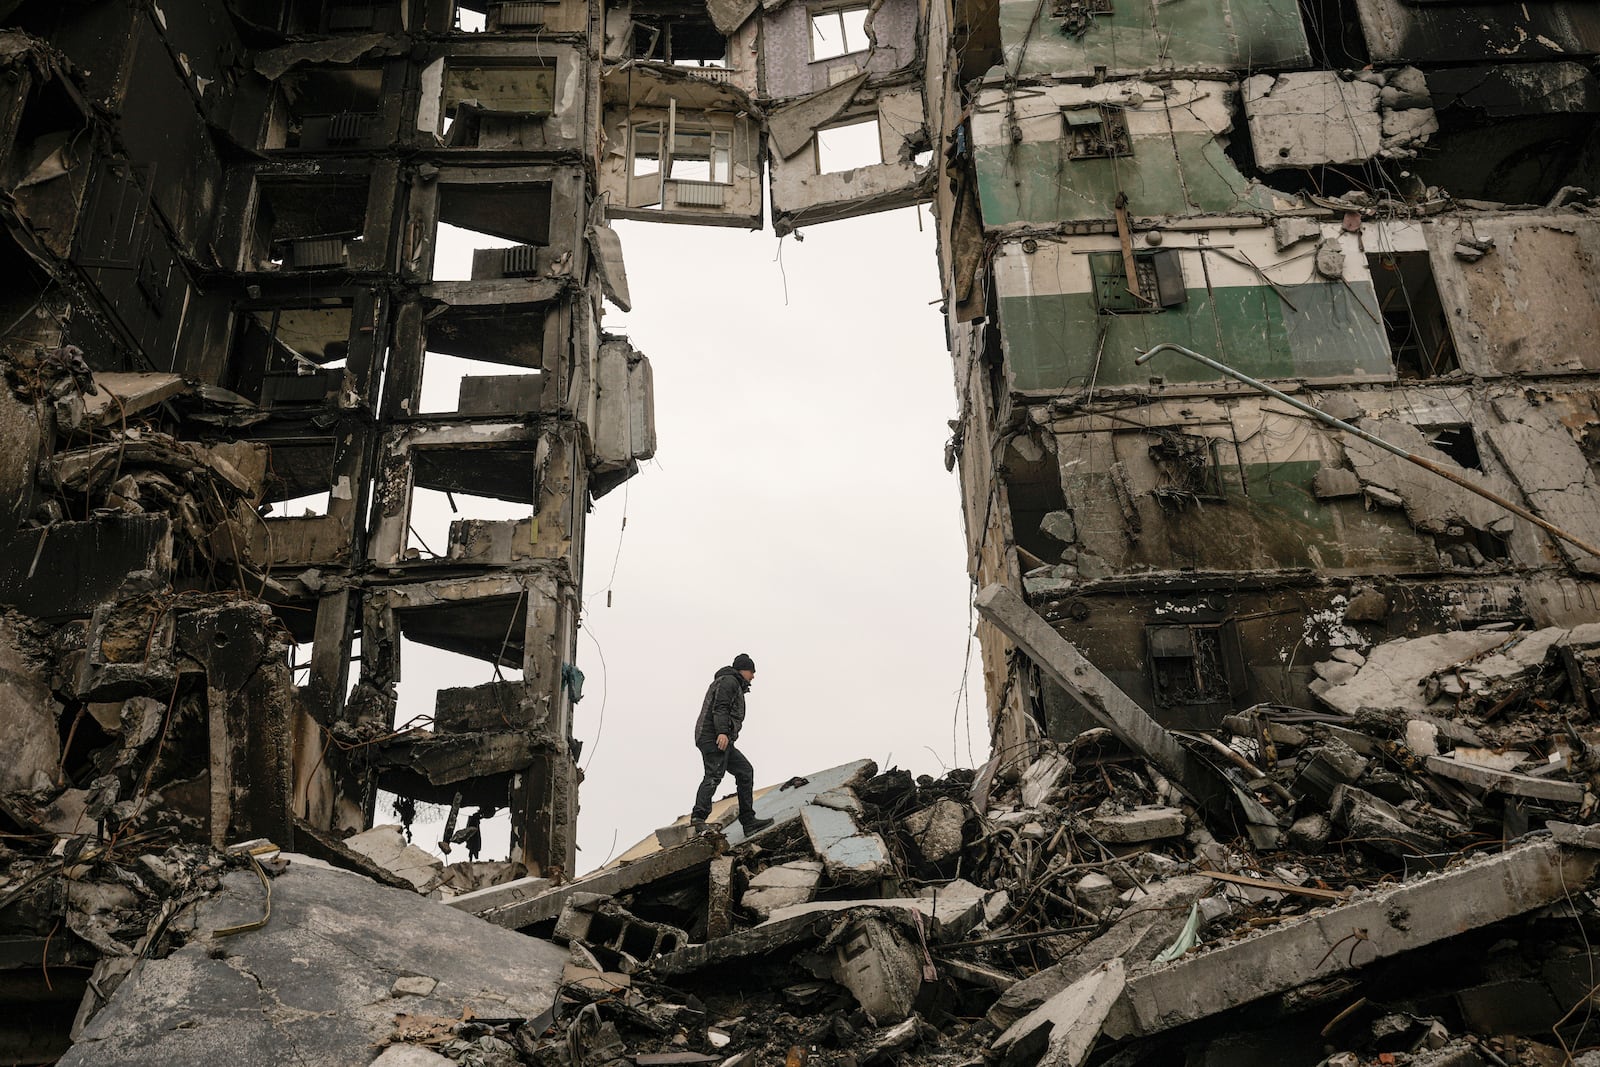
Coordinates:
<point>753,824</point>
<point>697,826</point>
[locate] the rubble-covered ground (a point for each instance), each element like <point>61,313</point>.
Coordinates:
<point>1426,897</point>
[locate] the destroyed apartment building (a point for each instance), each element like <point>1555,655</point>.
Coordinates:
<point>1274,327</point>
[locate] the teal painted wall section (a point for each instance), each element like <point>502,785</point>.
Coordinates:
<point>1052,341</point>
<point>1270,520</point>
<point>1185,35</point>
<point>1036,181</point>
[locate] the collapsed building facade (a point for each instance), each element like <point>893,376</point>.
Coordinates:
<point>230,227</point>
<point>1379,207</point>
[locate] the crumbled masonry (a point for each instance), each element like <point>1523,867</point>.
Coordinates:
<point>1294,742</point>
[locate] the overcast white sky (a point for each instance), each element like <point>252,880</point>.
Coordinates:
<point>798,509</point>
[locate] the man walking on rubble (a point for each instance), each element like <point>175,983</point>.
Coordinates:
<point>715,731</point>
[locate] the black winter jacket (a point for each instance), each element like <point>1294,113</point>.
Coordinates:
<point>722,711</point>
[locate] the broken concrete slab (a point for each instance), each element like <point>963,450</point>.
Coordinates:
<point>1139,824</point>
<point>782,885</point>
<point>494,896</point>
<point>608,881</point>
<point>780,803</point>
<point>850,855</point>
<point>251,1000</point>
<point>955,907</point>
<point>1496,781</point>
<point>388,848</point>
<point>1402,919</point>
<point>125,393</point>
<point>1062,1030</point>
<point>880,965</point>
<point>1042,775</point>
<point>937,829</point>
<point>1141,932</point>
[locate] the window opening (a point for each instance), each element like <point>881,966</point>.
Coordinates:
<point>1098,132</point>
<point>309,506</point>
<point>434,511</point>
<point>326,108</point>
<point>442,376</point>
<point>308,224</point>
<point>472,95</point>
<point>838,33</point>
<point>470,21</point>
<point>1187,665</point>
<point>1160,277</point>
<point>847,147</point>
<point>1187,467</point>
<point>681,41</point>
<point>1457,442</point>
<point>477,219</point>
<point>1413,315</point>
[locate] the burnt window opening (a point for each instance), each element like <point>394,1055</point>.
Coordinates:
<point>1458,442</point>
<point>322,16</point>
<point>1032,475</point>
<point>335,107</point>
<point>431,529</point>
<point>1413,315</point>
<point>1333,29</point>
<point>679,39</point>
<point>289,356</point>
<point>1160,277</point>
<point>308,223</point>
<point>1188,468</point>
<point>492,230</point>
<point>840,32</point>
<point>849,146</point>
<point>1466,548</point>
<point>1097,132</point>
<point>477,99</point>
<point>361,16</point>
<point>1078,15</point>
<point>1188,665</point>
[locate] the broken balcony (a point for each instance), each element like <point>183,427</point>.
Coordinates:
<point>679,151</point>
<point>305,218</point>
<point>846,152</point>
<point>331,108</point>
<point>489,96</point>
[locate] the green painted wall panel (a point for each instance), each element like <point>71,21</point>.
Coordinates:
<point>1192,34</point>
<point>1051,342</point>
<point>1036,182</point>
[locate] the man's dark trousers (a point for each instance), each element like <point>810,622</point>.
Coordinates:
<point>717,764</point>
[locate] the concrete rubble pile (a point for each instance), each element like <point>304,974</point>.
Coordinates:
<point>1424,895</point>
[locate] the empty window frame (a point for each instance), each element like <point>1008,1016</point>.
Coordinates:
<point>332,107</point>
<point>1188,665</point>
<point>525,91</point>
<point>291,355</point>
<point>308,223</point>
<point>1096,132</point>
<point>840,32</point>
<point>1160,277</point>
<point>689,154</point>
<point>1413,315</point>
<point>848,147</point>
<point>1456,441</point>
<point>680,40</point>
